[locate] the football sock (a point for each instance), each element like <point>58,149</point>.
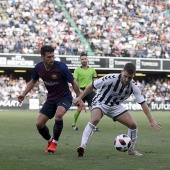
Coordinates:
<point>54,141</point>
<point>45,132</point>
<point>57,129</point>
<point>50,139</point>
<point>132,133</point>
<point>87,133</point>
<point>76,115</point>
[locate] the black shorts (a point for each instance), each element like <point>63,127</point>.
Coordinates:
<point>89,97</point>
<point>49,107</point>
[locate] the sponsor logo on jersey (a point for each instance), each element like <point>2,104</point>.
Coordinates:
<point>64,104</point>
<point>127,91</point>
<point>51,83</point>
<point>54,76</point>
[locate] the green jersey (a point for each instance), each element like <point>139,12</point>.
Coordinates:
<point>84,77</point>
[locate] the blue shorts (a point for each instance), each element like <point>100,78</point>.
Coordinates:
<point>49,107</point>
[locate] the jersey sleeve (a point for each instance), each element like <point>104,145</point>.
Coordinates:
<point>103,81</point>
<point>68,74</point>
<point>35,75</point>
<point>137,93</point>
<point>75,74</point>
<point>94,73</point>
<point>97,83</point>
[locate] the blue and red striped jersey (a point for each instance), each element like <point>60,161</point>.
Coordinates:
<point>55,80</point>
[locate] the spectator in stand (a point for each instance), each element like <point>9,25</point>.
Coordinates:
<point>125,53</point>
<point>128,23</point>
<point>167,98</point>
<point>163,51</point>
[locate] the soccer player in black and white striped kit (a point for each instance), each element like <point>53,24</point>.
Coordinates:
<point>112,91</point>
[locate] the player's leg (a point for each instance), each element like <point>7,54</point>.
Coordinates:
<point>42,128</point>
<point>88,131</point>
<point>57,128</point>
<point>62,107</point>
<point>43,117</point>
<point>95,128</point>
<point>127,120</point>
<point>76,116</point>
<point>89,99</point>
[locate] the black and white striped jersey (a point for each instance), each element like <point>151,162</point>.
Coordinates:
<point>111,91</point>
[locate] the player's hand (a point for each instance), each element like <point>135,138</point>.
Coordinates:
<point>81,91</point>
<point>78,102</point>
<point>20,98</point>
<point>155,125</point>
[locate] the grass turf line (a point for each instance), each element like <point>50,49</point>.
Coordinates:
<point>22,148</point>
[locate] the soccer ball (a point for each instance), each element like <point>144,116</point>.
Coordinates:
<point>122,142</point>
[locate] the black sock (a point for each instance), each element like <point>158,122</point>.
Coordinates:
<point>45,132</point>
<point>57,129</point>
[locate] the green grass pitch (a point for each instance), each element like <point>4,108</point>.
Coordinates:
<point>22,148</point>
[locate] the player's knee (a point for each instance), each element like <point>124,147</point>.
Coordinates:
<point>39,125</point>
<point>59,116</point>
<point>133,125</point>
<point>95,121</point>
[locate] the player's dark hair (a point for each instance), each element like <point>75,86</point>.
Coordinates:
<point>46,48</point>
<point>83,54</point>
<point>130,68</point>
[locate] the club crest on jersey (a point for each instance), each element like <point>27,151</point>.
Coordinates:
<point>54,76</point>
<point>127,91</point>
<point>40,75</point>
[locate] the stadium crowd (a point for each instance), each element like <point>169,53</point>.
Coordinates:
<point>121,28</point>
<point>155,90</point>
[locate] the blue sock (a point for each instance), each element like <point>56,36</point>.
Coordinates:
<point>57,129</point>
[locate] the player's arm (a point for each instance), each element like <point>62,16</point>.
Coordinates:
<point>77,84</point>
<point>94,75</point>
<point>140,99</point>
<point>75,87</point>
<point>83,94</point>
<point>146,110</point>
<point>153,123</point>
<point>77,91</point>
<point>30,85</point>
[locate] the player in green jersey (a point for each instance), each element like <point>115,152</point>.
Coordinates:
<point>84,76</point>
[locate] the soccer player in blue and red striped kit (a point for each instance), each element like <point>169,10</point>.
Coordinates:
<point>56,77</point>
